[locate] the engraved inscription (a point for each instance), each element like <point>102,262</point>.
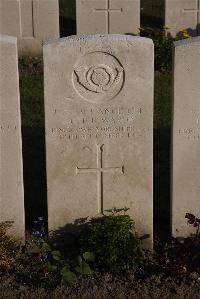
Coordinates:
<point>99,170</point>
<point>7,128</point>
<point>192,132</point>
<point>98,77</point>
<point>101,132</point>
<point>103,123</point>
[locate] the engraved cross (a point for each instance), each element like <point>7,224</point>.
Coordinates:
<point>196,10</point>
<point>108,10</point>
<point>100,170</point>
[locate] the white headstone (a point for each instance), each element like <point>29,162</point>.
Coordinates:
<point>182,14</point>
<point>11,170</point>
<point>186,135</point>
<point>99,128</point>
<point>107,16</point>
<point>31,21</point>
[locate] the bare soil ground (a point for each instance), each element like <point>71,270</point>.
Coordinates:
<point>107,286</point>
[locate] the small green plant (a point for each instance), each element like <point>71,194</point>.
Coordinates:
<point>7,247</point>
<point>113,241</point>
<point>184,34</point>
<point>50,262</point>
<point>24,61</point>
<point>163,43</point>
<point>30,66</point>
<point>83,266</point>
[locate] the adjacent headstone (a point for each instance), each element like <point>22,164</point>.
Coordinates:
<point>11,170</point>
<point>107,16</point>
<point>99,128</point>
<point>182,14</point>
<point>186,135</point>
<point>31,21</point>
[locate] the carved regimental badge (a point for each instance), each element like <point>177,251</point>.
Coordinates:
<point>98,77</point>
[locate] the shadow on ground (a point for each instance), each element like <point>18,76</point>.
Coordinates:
<point>162,183</point>
<point>34,161</point>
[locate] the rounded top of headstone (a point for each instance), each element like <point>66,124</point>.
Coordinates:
<point>96,37</point>
<point>187,41</point>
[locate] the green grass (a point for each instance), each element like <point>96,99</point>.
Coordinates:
<point>68,9</point>
<point>67,17</point>
<point>33,136</point>
<point>162,138</point>
<point>152,13</point>
<point>153,8</point>
<point>162,101</point>
<point>31,92</point>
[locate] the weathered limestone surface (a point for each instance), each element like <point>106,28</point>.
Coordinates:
<point>107,16</point>
<point>182,14</point>
<point>11,170</point>
<point>186,135</point>
<point>99,128</point>
<point>31,21</point>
